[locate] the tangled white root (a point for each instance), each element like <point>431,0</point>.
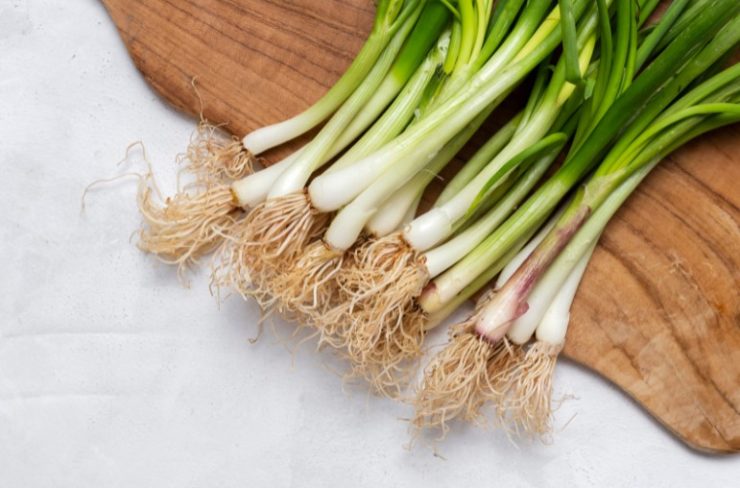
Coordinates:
<point>464,376</point>
<point>529,404</point>
<point>215,156</point>
<point>187,226</point>
<point>386,274</point>
<point>308,290</point>
<point>379,289</point>
<point>181,229</point>
<point>468,373</point>
<point>385,353</point>
<point>268,242</point>
<point>367,310</point>
<point>333,325</point>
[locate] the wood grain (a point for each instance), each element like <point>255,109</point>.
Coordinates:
<point>659,311</point>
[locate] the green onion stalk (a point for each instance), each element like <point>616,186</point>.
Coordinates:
<point>650,118</point>
<point>411,151</point>
<point>477,33</point>
<point>516,378</point>
<point>341,186</point>
<point>195,221</point>
<point>279,227</point>
<point>387,274</point>
<point>636,147</point>
<point>289,291</point>
<point>650,93</point>
<point>480,30</point>
<point>658,139</point>
<point>401,208</point>
<point>420,144</point>
<point>390,16</point>
<point>308,291</point>
<point>525,395</point>
<point>358,202</point>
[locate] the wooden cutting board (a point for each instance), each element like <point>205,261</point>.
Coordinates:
<point>659,311</point>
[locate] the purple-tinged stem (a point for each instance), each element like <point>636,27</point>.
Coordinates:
<point>510,302</point>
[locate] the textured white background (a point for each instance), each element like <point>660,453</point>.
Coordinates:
<point>112,374</point>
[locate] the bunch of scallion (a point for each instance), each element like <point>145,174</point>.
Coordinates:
<point>330,236</point>
<point>681,92</point>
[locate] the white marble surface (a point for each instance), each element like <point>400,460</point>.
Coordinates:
<point>112,374</point>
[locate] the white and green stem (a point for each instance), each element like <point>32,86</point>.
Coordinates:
<point>604,192</point>
<point>313,155</point>
<point>439,223</point>
<point>480,159</point>
<point>441,258</point>
<point>390,15</point>
<point>418,145</point>
<point>388,218</point>
<point>554,293</point>
<point>254,188</point>
<point>347,225</point>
